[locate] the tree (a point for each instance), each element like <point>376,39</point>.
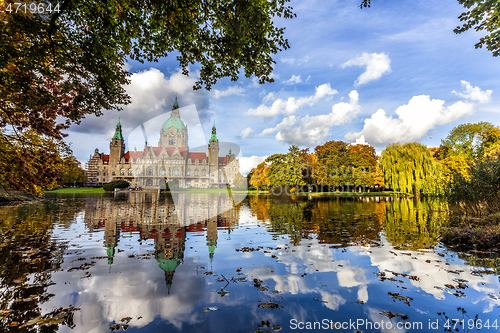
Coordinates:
<point>239,182</point>
<point>333,156</point>
<point>363,161</point>
<point>115,184</point>
<point>454,165</point>
<point>30,162</point>
<point>59,65</point>
<point>466,140</point>
<point>483,16</point>
<point>286,169</point>
<point>259,176</point>
<point>410,168</point>
<point>71,172</point>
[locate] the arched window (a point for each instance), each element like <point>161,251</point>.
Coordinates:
<point>130,172</point>
<point>176,172</point>
<point>196,172</point>
<point>122,172</point>
<point>163,172</point>
<point>113,173</point>
<point>204,172</point>
<point>149,182</point>
<point>196,161</point>
<point>189,172</point>
<point>104,173</point>
<point>137,172</point>
<point>149,171</point>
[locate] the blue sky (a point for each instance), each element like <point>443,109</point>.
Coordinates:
<point>392,72</point>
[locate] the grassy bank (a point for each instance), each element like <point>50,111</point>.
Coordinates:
<point>77,190</point>
<point>6,198</point>
<point>474,233</point>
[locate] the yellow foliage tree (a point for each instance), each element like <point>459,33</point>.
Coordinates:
<point>453,165</point>
<point>259,177</point>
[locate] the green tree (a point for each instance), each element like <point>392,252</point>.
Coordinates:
<point>116,184</point>
<point>239,182</point>
<point>286,169</point>
<point>466,140</point>
<point>454,165</point>
<point>480,192</point>
<point>58,66</point>
<point>410,168</point>
<point>71,172</point>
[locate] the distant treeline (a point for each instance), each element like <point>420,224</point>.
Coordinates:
<point>467,157</point>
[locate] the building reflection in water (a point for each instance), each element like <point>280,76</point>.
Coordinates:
<point>165,219</point>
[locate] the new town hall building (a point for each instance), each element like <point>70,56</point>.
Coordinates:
<point>171,160</point>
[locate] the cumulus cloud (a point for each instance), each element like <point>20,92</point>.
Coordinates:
<point>152,94</point>
<point>291,105</point>
<point>312,130</point>
<point>229,91</point>
<point>295,79</point>
<point>473,93</point>
<point>247,132</point>
<point>247,163</point>
<point>377,64</point>
<point>415,119</point>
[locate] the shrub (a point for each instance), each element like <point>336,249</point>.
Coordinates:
<point>478,194</point>
<point>115,184</point>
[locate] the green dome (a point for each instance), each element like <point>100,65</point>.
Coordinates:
<point>168,265</point>
<point>173,122</point>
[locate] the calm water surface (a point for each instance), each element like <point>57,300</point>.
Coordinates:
<point>199,263</point>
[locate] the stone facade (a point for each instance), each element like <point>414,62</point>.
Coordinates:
<point>171,160</point>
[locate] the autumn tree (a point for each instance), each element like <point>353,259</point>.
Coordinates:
<point>67,60</point>
<point>259,176</point>
<point>410,168</point>
<point>333,156</point>
<point>71,172</point>
<point>454,165</point>
<point>363,160</point>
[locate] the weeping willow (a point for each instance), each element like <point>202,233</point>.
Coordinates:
<point>409,168</point>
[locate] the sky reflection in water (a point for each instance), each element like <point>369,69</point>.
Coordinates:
<point>203,265</point>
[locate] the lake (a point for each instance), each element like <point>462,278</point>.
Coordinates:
<point>144,262</point>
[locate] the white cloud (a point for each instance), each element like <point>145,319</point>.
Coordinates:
<point>152,94</point>
<point>473,93</point>
<point>291,105</point>
<point>416,118</point>
<point>295,79</point>
<point>289,61</point>
<point>229,91</point>
<point>269,97</point>
<point>312,130</point>
<point>247,132</point>
<point>377,64</point>
<point>247,163</point>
